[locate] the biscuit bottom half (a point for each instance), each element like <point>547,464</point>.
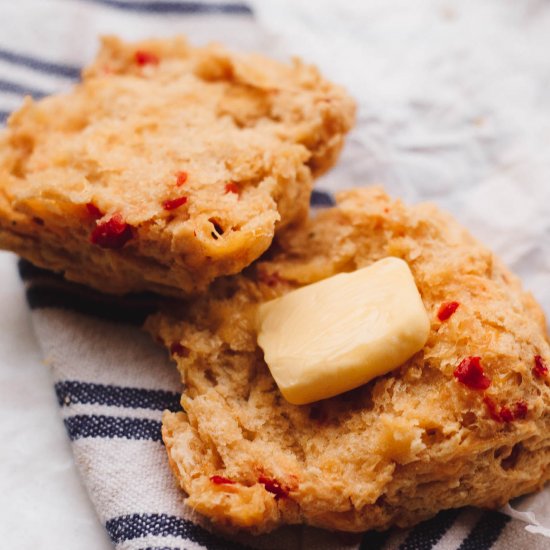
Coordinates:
<point>392,452</point>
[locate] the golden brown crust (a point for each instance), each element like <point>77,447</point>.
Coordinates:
<point>395,451</point>
<point>248,132</point>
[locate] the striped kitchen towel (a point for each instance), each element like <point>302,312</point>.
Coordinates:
<point>112,381</point>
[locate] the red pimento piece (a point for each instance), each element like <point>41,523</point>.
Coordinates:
<point>446,310</point>
<point>492,408</point>
<point>220,480</point>
<point>181,178</point>
<point>520,410</point>
<point>269,279</point>
<point>143,57</point>
<point>540,370</point>
<point>232,187</point>
<point>506,414</point>
<point>172,204</point>
<point>177,349</point>
<point>470,373</point>
<point>113,233</point>
<point>94,211</point>
<point>273,486</point>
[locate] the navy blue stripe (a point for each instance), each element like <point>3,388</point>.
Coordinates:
<point>485,532</point>
<point>14,88</point>
<point>4,116</point>
<point>91,425</point>
<point>50,290</point>
<point>426,535</point>
<point>130,310</point>
<point>28,271</point>
<point>72,392</point>
<point>374,540</point>
<point>321,198</point>
<point>134,526</point>
<point>40,65</point>
<point>233,8</point>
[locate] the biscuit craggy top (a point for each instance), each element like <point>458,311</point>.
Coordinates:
<point>198,154</point>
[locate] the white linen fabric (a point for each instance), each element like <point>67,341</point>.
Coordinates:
<point>452,108</point>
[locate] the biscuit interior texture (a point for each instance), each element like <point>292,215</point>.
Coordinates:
<point>198,154</point>
<point>394,451</point>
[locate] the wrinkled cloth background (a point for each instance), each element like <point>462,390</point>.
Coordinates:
<point>453,108</point>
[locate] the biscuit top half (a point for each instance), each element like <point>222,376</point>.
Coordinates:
<point>198,153</point>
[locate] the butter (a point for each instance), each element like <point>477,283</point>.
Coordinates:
<point>335,335</point>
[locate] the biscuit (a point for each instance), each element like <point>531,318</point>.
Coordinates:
<point>167,166</point>
<point>423,438</point>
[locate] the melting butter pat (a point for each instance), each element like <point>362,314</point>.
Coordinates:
<point>335,335</point>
